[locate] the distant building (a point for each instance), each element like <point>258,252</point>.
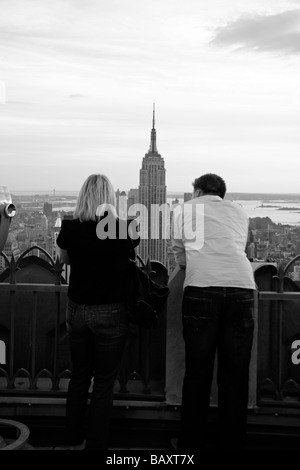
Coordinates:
<point>251,250</point>
<point>44,223</point>
<point>187,197</point>
<point>47,209</point>
<point>133,197</point>
<point>295,275</point>
<point>121,205</point>
<point>175,203</point>
<point>11,248</point>
<point>41,242</point>
<point>68,215</point>
<point>2,264</point>
<point>262,250</point>
<point>48,242</point>
<point>171,262</point>
<point>33,231</point>
<point>55,231</point>
<point>153,191</point>
<point>261,223</point>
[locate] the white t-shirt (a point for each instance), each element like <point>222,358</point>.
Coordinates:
<point>210,236</point>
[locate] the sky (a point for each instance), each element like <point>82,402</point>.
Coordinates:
<point>78,79</point>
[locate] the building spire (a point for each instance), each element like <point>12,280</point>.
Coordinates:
<point>153,121</point>
<point>153,147</point>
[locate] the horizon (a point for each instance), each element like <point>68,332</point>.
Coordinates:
<point>50,192</point>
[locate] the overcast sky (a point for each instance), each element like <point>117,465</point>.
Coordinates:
<point>80,77</point>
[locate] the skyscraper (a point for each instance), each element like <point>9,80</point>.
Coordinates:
<point>47,209</point>
<point>55,231</point>
<point>152,194</point>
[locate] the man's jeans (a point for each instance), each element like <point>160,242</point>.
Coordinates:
<point>97,338</point>
<point>216,318</point>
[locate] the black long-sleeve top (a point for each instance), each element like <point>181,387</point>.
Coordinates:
<point>99,267</point>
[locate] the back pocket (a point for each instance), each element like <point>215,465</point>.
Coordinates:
<point>196,311</point>
<point>111,322</point>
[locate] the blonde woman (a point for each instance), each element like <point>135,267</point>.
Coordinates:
<point>96,311</point>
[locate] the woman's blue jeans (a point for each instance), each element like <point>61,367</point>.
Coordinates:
<point>216,318</point>
<point>97,336</point>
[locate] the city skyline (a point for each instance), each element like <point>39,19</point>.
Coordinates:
<point>78,78</point>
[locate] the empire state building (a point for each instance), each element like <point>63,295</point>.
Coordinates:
<point>152,194</point>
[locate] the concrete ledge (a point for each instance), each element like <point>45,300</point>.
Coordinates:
<point>22,431</point>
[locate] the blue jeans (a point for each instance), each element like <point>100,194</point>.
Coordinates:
<point>97,336</point>
<point>216,318</point>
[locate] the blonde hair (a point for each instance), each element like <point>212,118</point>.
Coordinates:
<point>96,191</point>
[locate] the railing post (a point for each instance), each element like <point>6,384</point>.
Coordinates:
<point>145,355</point>
<point>279,280</point>
<point>33,337</point>
<point>58,266</point>
<point>11,338</point>
<point>56,339</point>
<point>12,280</point>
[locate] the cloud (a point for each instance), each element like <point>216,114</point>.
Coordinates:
<point>18,102</point>
<point>279,33</point>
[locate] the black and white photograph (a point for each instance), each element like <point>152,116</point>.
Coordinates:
<point>150,228</point>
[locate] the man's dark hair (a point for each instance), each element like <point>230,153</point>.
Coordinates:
<point>210,184</point>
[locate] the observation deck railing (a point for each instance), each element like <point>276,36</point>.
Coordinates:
<point>34,344</point>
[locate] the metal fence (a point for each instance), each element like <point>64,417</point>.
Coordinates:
<point>32,327</point>
<point>37,362</point>
<point>278,330</point>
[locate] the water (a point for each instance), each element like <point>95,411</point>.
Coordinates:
<point>50,192</point>
<point>253,209</point>
<point>289,217</point>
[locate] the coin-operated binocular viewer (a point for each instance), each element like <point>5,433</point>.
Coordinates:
<point>7,212</point>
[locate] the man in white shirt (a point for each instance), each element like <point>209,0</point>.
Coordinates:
<point>210,236</point>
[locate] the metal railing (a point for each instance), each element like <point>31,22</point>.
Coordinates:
<point>20,372</point>
<point>32,325</point>
<point>281,386</point>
